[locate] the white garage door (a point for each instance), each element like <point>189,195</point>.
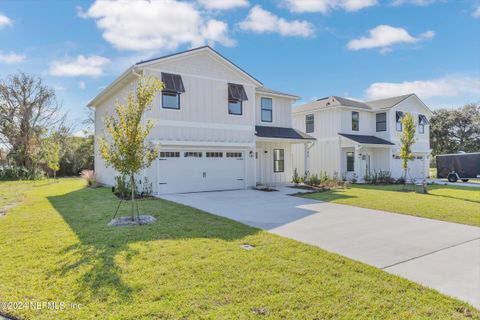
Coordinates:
<point>183,171</point>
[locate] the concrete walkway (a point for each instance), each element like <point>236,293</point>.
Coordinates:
<point>442,255</point>
<point>455,184</point>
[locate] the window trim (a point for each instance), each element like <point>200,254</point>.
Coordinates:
<point>357,120</point>
<point>171,93</point>
<point>306,123</point>
<point>263,109</point>
<point>241,107</point>
<point>282,153</point>
<point>353,160</point>
<point>377,122</point>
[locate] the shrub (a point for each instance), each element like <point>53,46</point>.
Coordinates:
<point>21,173</point>
<point>147,188</point>
<point>296,178</point>
<point>313,180</point>
<point>305,177</point>
<point>90,177</point>
<point>121,187</point>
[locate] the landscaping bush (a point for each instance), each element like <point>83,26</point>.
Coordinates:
<point>21,173</point>
<point>296,178</point>
<point>90,177</point>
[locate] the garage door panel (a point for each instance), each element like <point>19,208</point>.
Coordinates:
<point>194,173</point>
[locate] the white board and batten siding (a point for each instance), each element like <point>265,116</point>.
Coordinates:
<point>324,155</point>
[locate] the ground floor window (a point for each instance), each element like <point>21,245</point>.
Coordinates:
<point>278,160</point>
<point>350,161</point>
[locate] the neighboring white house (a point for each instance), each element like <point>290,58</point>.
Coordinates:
<point>217,127</point>
<point>357,138</point>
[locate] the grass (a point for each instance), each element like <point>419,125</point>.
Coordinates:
<point>446,203</point>
<point>55,246</point>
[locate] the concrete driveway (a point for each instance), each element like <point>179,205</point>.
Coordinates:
<point>442,255</point>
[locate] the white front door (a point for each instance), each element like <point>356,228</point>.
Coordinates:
<point>182,171</point>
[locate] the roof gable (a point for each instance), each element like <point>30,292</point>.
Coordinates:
<point>201,61</point>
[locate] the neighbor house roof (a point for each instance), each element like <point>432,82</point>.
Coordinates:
<point>365,139</point>
<point>388,102</point>
<point>352,103</point>
<point>281,133</point>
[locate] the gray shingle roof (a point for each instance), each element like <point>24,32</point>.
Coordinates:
<point>388,102</point>
<point>352,103</point>
<point>268,90</point>
<point>365,139</point>
<point>281,133</point>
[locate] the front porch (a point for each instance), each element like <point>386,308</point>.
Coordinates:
<point>273,154</point>
<point>362,156</point>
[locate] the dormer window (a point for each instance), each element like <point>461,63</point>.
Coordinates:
<point>236,96</point>
<point>398,118</point>
<point>171,92</point>
<point>422,122</point>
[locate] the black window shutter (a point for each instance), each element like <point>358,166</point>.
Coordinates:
<point>236,92</point>
<point>173,82</point>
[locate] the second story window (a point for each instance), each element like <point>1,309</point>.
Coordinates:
<point>266,109</point>
<point>172,90</point>
<point>398,120</point>
<point>422,122</point>
<point>236,96</point>
<point>355,121</point>
<point>381,122</point>
<point>309,123</point>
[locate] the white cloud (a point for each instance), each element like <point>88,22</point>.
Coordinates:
<point>414,2</point>
<point>223,4</point>
<point>263,21</point>
<point>450,86</point>
<point>82,85</point>
<point>80,66</point>
<point>384,37</point>
<point>5,21</point>
<point>324,6</point>
<point>476,12</point>
<point>11,57</point>
<point>155,25</point>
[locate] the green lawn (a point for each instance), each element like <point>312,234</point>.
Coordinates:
<point>55,246</point>
<point>447,203</point>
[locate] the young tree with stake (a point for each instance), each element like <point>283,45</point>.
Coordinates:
<point>407,139</point>
<point>128,152</point>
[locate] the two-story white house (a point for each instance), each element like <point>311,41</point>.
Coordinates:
<point>355,139</point>
<point>217,127</point>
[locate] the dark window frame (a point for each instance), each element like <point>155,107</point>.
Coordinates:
<point>307,129</point>
<point>276,162</point>
<point>377,122</point>
<point>351,155</point>
<point>170,93</point>
<point>357,120</point>
<point>262,109</point>
<point>241,107</point>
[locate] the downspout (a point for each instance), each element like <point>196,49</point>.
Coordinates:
<point>308,146</point>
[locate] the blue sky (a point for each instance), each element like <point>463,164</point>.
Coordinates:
<point>362,49</point>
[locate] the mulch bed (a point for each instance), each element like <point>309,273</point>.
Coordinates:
<point>310,190</point>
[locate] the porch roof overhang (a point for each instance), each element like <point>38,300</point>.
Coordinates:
<point>367,140</point>
<point>265,133</point>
